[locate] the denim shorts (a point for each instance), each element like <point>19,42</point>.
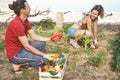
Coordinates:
<point>32,59</point>
<point>71,32</point>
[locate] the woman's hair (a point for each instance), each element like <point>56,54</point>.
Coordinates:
<point>100,10</point>
<point>17,5</point>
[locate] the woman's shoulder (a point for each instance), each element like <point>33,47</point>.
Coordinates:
<point>86,19</point>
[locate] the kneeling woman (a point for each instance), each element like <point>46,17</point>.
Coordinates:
<point>87,24</point>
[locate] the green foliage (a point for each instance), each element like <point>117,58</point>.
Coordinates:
<point>2,26</point>
<point>47,23</point>
<point>64,32</point>
<point>46,34</point>
<point>98,60</point>
<point>58,49</point>
<point>85,40</point>
<point>38,29</point>
<point>66,49</point>
<point>2,46</point>
<point>58,29</point>
<point>73,65</point>
<point>75,52</point>
<point>65,28</point>
<point>1,62</point>
<point>82,51</point>
<point>54,49</point>
<point>115,48</point>
<point>87,51</point>
<point>66,37</point>
<point>26,76</point>
<point>117,61</point>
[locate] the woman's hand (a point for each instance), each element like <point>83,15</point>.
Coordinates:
<point>95,41</point>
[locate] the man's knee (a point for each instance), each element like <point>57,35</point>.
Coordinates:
<point>44,43</point>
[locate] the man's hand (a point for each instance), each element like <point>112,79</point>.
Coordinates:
<point>46,56</point>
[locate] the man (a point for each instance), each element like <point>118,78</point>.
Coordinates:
<point>19,49</point>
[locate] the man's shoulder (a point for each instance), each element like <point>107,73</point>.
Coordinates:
<point>16,21</point>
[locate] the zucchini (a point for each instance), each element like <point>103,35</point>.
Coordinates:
<point>53,72</point>
<point>60,61</point>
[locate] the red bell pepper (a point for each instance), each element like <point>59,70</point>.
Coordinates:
<point>56,36</point>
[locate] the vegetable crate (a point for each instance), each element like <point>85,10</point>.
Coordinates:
<point>44,75</point>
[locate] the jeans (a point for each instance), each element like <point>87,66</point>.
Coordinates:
<point>71,32</point>
<point>32,59</point>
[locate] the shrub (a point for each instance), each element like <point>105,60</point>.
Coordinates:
<point>47,23</point>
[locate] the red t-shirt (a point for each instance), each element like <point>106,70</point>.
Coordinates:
<point>15,28</point>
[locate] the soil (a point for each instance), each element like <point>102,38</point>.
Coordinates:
<point>78,67</point>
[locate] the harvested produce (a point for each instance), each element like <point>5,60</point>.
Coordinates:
<point>55,64</point>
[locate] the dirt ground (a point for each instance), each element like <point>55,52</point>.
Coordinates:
<point>78,67</point>
<point>86,71</point>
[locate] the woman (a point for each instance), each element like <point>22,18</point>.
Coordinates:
<point>85,25</point>
<point>19,49</point>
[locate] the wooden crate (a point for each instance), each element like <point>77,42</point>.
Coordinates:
<point>48,76</point>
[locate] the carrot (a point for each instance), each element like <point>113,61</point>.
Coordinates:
<point>56,56</point>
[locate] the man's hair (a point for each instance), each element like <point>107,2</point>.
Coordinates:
<point>17,5</point>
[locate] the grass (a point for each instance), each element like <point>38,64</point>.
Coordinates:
<point>26,76</point>
<point>98,60</point>
<point>2,46</point>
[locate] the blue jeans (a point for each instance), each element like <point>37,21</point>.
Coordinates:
<point>32,59</point>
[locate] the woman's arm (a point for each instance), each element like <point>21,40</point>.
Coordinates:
<point>36,37</point>
<point>95,29</point>
<point>89,27</point>
<point>24,41</point>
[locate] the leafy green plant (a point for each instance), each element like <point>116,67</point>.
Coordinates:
<point>65,37</point>
<point>57,29</point>
<point>97,60</point>
<point>115,48</point>
<point>65,34</point>
<point>47,23</point>
<point>117,61</point>
<point>38,29</point>
<point>86,40</point>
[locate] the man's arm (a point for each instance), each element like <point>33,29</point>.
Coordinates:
<point>36,37</point>
<point>24,41</point>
